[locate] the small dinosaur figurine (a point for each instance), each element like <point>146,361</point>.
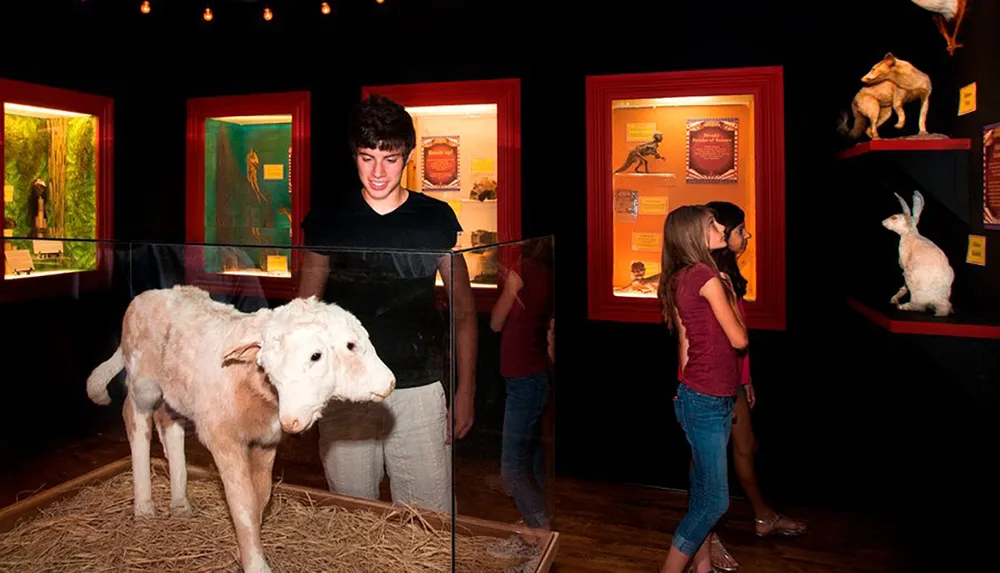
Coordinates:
<point>639,153</point>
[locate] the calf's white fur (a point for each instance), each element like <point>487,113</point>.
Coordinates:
<point>242,379</point>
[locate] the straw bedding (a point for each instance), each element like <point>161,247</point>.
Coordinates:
<point>95,531</point>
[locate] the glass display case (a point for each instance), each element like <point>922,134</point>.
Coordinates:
<point>385,384</point>
<point>248,183</point>
<point>656,142</point>
<point>468,154</point>
<point>57,149</point>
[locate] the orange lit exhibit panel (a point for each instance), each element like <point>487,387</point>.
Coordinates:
<point>657,142</point>
<point>671,152</point>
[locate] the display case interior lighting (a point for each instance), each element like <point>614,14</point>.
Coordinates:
<point>466,110</point>
<point>255,119</point>
<point>39,112</point>
<point>746,100</point>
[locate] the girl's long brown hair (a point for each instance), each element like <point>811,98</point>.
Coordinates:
<point>683,246</point>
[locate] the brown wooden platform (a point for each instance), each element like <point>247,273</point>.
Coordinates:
<point>28,508</point>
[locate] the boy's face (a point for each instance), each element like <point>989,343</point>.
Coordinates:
<point>380,171</point>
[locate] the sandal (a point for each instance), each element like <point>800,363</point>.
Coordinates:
<point>780,525</point>
<point>721,559</point>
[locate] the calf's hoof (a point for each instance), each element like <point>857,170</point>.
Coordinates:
<point>181,509</point>
<point>144,509</point>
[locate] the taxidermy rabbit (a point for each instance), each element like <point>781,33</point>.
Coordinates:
<point>926,271</point>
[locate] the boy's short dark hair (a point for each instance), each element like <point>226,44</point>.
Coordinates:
<point>377,122</point>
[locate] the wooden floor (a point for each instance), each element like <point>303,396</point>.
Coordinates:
<point>604,528</point>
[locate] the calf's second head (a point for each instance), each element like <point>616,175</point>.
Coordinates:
<point>314,352</point>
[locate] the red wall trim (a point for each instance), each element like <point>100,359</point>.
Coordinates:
<point>766,85</point>
<point>906,145</point>
<point>71,284</point>
<point>925,328</point>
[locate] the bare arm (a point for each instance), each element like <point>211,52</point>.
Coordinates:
<point>315,269</point>
<point>715,293</point>
<point>506,301</point>
<point>455,275</point>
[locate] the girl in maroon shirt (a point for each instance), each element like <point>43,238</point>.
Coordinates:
<point>767,521</point>
<point>700,305</point>
<point>522,315</point>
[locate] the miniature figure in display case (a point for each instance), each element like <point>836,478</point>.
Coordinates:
<point>57,152</point>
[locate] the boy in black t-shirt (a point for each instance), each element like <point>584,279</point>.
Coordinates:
<point>392,293</point>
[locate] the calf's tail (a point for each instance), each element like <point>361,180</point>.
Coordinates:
<point>97,382</point>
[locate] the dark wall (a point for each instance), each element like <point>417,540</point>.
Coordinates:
<point>615,381</point>
<point>975,62</point>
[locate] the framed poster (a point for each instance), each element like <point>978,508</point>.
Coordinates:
<point>991,177</point>
<point>712,150</point>
<point>440,163</point>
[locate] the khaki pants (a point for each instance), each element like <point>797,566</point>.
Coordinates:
<point>404,436</point>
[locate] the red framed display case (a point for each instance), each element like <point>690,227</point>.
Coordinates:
<point>718,135</point>
<point>478,124</point>
<point>58,207</point>
<point>248,173</point>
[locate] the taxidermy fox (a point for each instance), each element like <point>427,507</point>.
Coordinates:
<point>889,85</point>
<point>926,271</point>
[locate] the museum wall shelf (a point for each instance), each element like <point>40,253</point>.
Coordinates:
<point>903,145</point>
<point>869,252</point>
<point>468,153</point>
<point>658,141</point>
<point>902,322</point>
<point>248,182</point>
<point>58,184</point>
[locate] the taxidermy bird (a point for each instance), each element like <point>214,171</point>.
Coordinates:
<point>946,11</point>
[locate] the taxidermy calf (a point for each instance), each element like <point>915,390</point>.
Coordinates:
<point>927,274</point>
<point>889,85</point>
<point>242,379</point>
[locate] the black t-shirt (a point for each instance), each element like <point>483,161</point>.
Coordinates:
<point>392,293</point>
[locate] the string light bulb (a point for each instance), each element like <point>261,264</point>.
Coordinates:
<point>145,7</point>
<point>268,14</point>
<point>325,8</point>
<point>208,15</point>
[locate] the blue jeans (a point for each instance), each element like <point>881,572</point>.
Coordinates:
<point>707,422</point>
<point>521,458</point>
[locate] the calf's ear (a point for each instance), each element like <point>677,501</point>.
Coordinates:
<point>242,352</point>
